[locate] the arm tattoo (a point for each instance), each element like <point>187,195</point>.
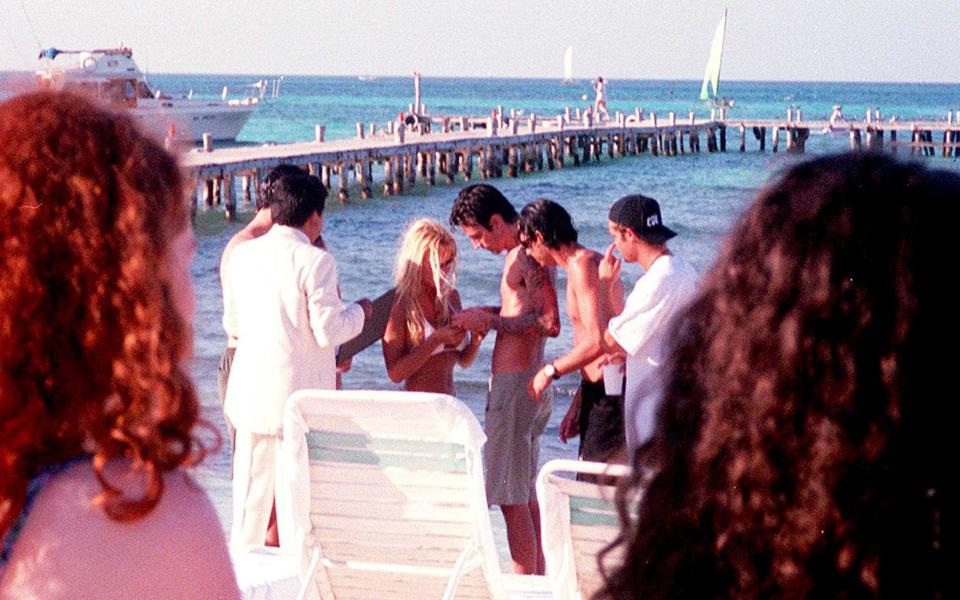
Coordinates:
<point>537,321</point>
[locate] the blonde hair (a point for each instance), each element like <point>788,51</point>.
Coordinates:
<point>424,240</point>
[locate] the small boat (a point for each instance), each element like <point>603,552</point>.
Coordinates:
<point>568,65</point>
<point>710,91</point>
<point>113,76</point>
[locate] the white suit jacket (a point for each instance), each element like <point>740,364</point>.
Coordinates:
<point>281,302</point>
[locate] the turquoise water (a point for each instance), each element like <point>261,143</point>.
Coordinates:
<point>701,195</point>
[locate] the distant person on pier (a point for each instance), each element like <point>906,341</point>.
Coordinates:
<point>421,346</point>
<point>600,100</point>
<point>836,117</point>
<point>548,235</point>
<point>513,420</point>
<point>283,306</point>
<point>99,417</point>
<point>802,449</point>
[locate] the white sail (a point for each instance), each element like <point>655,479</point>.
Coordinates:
<point>711,77</point>
<point>568,64</point>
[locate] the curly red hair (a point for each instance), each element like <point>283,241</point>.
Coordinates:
<point>92,352</point>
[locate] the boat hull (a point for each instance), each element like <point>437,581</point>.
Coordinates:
<point>188,122</point>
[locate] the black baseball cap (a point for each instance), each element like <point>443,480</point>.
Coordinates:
<point>642,215</point>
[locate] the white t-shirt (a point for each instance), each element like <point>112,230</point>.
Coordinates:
<point>641,329</point>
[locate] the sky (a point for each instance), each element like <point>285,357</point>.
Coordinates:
<point>794,40</point>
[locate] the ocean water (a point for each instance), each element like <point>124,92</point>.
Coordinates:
<point>701,195</point>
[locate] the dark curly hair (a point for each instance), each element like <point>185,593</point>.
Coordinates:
<point>477,203</point>
<point>800,447</point>
<point>92,347</point>
<point>550,220</point>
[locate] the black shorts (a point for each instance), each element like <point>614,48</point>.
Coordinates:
<point>601,422</point>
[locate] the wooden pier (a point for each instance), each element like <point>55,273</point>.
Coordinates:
<point>490,147</point>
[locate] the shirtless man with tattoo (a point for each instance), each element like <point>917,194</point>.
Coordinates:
<point>513,420</point>
<point>547,233</point>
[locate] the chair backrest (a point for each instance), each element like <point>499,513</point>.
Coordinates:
<point>381,495</point>
<point>578,519</point>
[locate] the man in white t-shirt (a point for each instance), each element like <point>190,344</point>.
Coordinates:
<point>642,328</point>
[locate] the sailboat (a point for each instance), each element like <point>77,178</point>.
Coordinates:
<point>710,91</point>
<point>568,65</point>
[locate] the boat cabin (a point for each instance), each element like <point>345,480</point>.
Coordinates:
<point>110,75</point>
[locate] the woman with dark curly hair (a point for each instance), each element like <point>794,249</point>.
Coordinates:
<point>97,411</point>
<point>800,448</point>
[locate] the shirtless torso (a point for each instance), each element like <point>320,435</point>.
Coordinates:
<point>428,365</point>
<point>588,296</point>
<point>528,313</point>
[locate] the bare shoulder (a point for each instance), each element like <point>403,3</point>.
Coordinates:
<point>533,273</point>
<point>585,265</point>
<point>177,550</point>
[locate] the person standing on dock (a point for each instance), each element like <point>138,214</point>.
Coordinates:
<point>600,101</point>
<point>641,328</point>
<point>283,307</point>
<point>513,421</point>
<point>548,234</point>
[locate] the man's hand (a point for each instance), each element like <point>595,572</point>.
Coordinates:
<point>609,265</point>
<point>367,307</point>
<point>449,336</point>
<point>475,319</point>
<point>538,385</point>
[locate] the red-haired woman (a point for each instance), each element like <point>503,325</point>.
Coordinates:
<point>97,412</point>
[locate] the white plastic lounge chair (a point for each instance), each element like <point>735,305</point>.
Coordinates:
<point>382,496</point>
<point>577,520</point>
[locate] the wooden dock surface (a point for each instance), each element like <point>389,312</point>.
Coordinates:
<point>527,143</point>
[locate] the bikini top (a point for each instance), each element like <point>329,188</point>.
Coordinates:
<point>34,487</point>
<point>428,331</point>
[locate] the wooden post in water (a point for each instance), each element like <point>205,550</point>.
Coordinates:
<point>325,175</point>
<point>363,174</point>
<point>573,152</point>
<point>229,197</point>
<point>245,187</point>
<point>893,141</point>
<point>208,191</point>
<point>342,193</point>
<point>467,164</point>
<point>409,167</point>
<point>855,139</point>
<point>723,137</point>
<point>743,137</point>
<point>398,173</point>
<point>429,158</point>
<point>775,139</point>
<point>711,140</point>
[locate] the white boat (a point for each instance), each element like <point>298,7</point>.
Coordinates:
<point>113,76</point>
<point>568,65</point>
<point>710,91</point>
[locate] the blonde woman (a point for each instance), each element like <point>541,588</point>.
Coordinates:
<point>420,346</point>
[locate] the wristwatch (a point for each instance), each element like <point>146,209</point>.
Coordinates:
<point>551,371</point>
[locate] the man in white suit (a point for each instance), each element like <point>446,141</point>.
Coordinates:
<point>282,305</point>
